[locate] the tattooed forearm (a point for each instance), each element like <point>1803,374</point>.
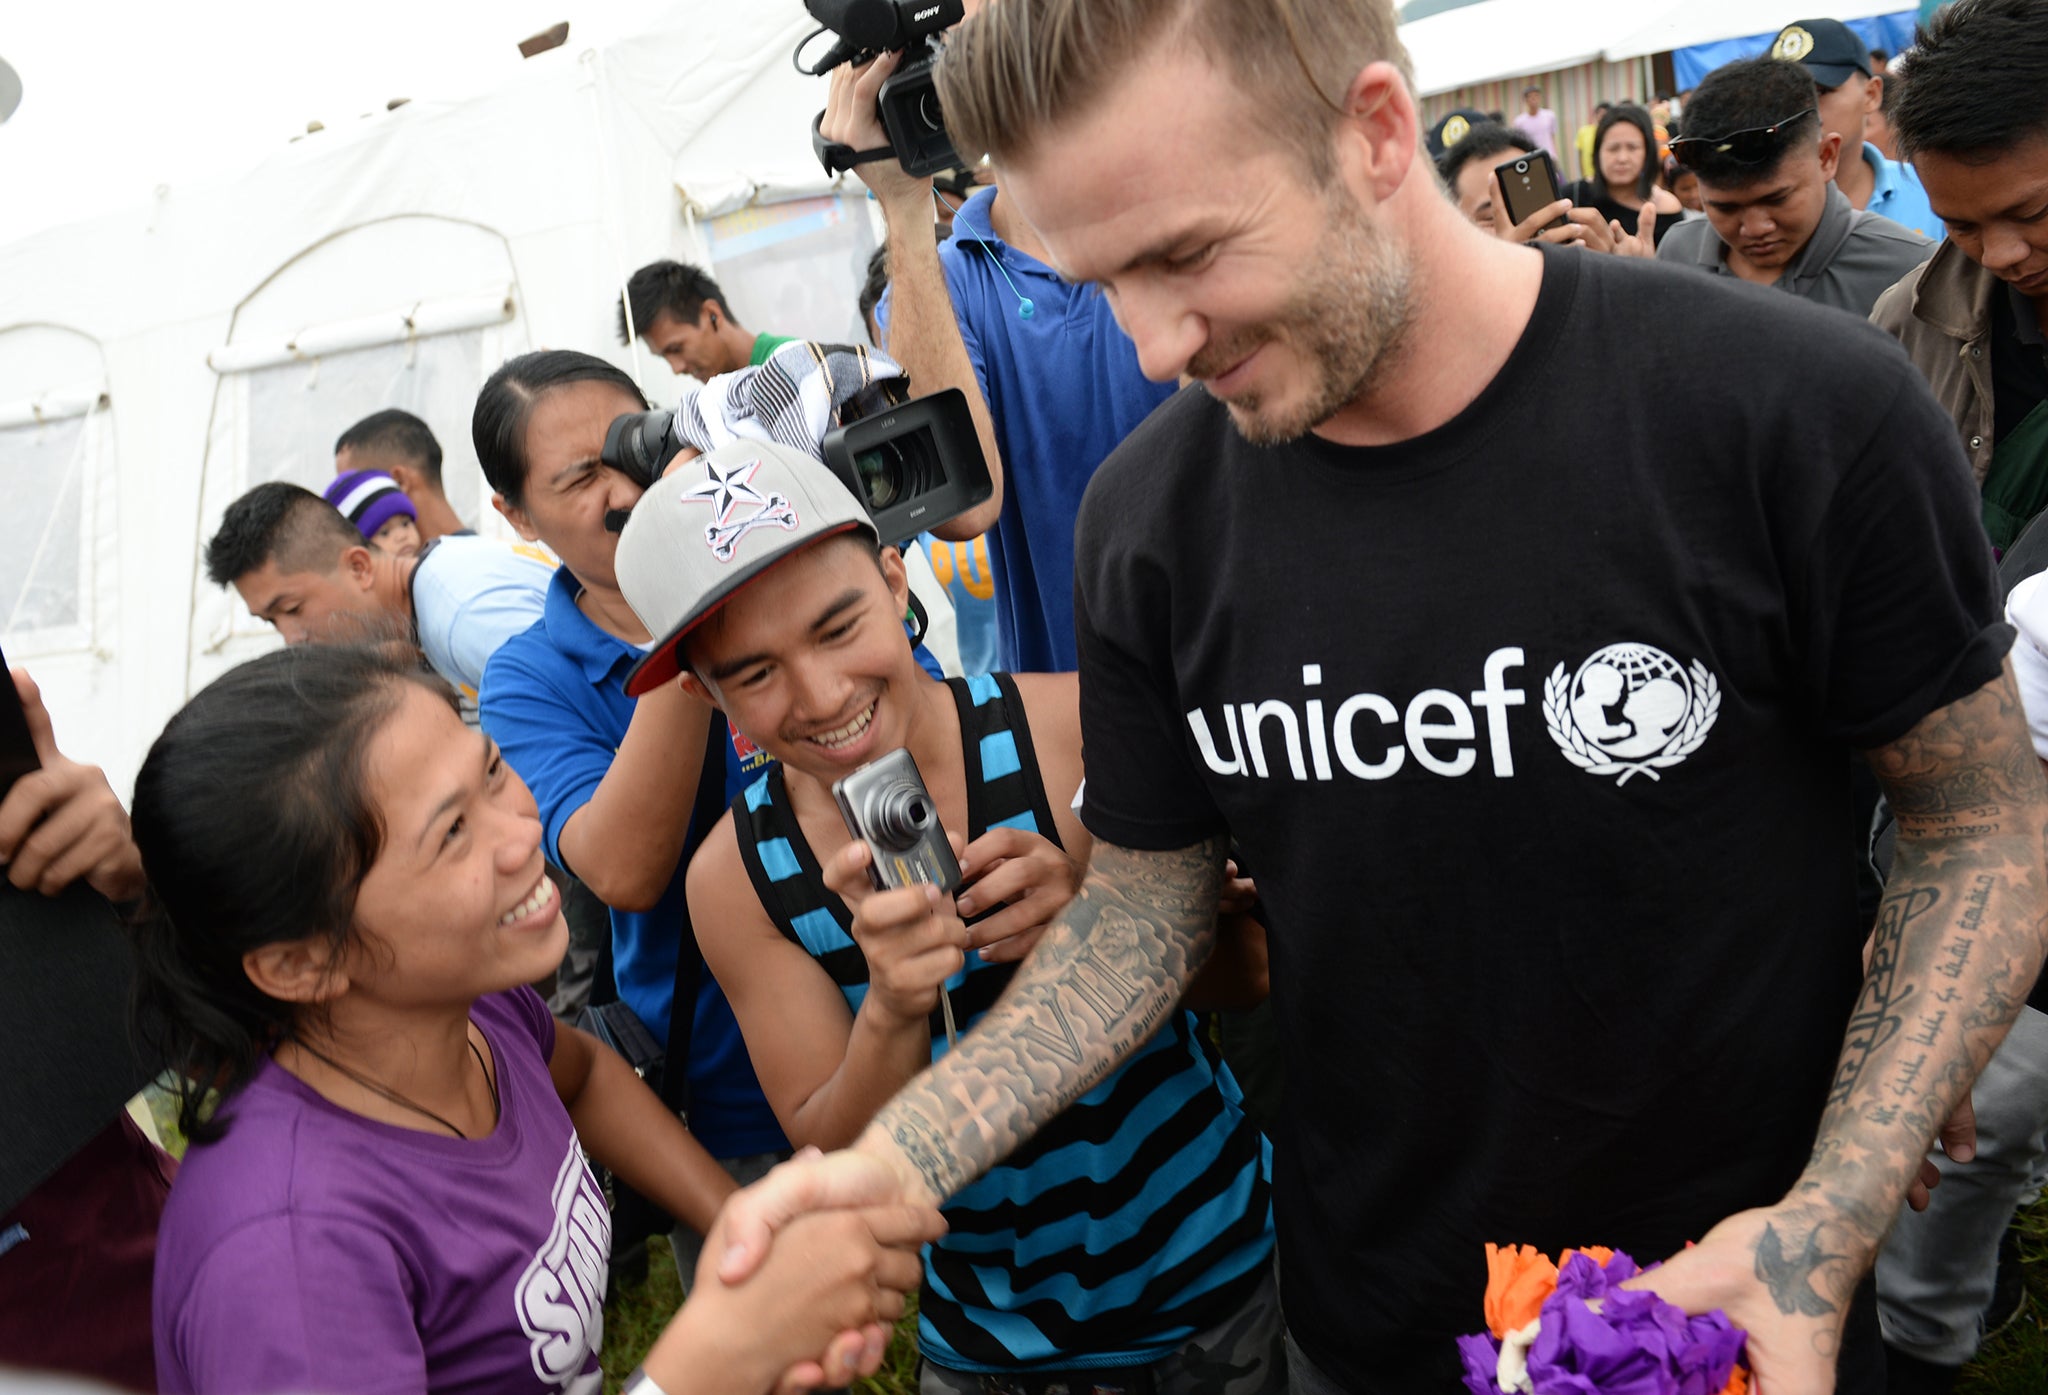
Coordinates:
<point>1102,980</point>
<point>1875,1020</point>
<point>1962,923</point>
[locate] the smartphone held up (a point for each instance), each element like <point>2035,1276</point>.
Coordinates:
<point>1528,184</point>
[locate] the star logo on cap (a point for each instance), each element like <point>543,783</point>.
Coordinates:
<point>724,490</point>
<point>1455,130</point>
<point>1793,44</point>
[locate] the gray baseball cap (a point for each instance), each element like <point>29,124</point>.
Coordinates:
<point>715,524</point>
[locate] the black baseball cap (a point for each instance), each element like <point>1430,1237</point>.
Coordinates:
<point>1451,129</point>
<point>1827,48</point>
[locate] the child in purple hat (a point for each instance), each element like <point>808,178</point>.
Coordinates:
<point>373,502</point>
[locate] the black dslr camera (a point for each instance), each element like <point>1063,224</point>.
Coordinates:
<point>912,465</point>
<point>909,101</point>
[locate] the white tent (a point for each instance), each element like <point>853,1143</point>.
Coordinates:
<point>154,364</point>
<point>1682,26</point>
<point>1499,39</point>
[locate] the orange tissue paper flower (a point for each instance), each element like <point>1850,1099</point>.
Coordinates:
<point>1518,1279</point>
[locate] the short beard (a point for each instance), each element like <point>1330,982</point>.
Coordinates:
<point>1347,318</point>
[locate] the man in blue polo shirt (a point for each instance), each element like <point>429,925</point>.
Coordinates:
<point>1847,90</point>
<point>1053,382</point>
<point>616,780</point>
<point>554,700</point>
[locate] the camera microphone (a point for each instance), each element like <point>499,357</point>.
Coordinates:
<point>908,102</point>
<point>843,51</point>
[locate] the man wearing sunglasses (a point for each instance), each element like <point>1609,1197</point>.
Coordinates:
<point>1774,216</point>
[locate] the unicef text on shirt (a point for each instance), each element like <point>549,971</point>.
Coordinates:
<point>1628,710</point>
<point>1434,720</point>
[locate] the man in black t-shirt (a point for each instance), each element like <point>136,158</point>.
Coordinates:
<point>1522,648</point>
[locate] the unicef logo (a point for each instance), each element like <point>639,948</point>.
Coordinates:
<point>1630,710</point>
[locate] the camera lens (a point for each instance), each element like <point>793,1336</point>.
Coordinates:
<point>928,111</point>
<point>881,475</point>
<point>639,444</point>
<point>896,814</point>
<point>896,471</point>
<point>1521,167</point>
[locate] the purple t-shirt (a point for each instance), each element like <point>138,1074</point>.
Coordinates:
<point>312,1250</point>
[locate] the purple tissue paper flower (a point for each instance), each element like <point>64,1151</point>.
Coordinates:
<point>1481,1355</point>
<point>1596,1338</point>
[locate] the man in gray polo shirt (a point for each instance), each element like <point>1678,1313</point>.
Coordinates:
<point>1774,216</point>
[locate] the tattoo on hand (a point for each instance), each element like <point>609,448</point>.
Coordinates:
<point>1790,1280</point>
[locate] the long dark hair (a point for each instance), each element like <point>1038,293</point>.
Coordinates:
<point>1640,119</point>
<point>256,827</point>
<point>498,425</point>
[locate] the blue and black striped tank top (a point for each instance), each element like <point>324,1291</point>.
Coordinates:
<point>1134,1220</point>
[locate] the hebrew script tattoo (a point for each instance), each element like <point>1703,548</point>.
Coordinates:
<point>1103,979</point>
<point>1877,1017</point>
<point>1964,920</point>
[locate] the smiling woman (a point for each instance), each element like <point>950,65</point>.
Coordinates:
<point>349,896</point>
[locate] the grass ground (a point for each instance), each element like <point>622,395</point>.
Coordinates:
<point>2013,1363</point>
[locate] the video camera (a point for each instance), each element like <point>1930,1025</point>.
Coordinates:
<point>909,100</point>
<point>912,464</point>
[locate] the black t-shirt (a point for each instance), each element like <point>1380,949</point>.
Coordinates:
<point>1586,194</point>
<point>1540,752</point>
<point>2019,361</point>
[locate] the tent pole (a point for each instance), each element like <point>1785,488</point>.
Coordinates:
<point>600,98</point>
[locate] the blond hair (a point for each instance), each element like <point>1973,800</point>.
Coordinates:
<point>1020,66</point>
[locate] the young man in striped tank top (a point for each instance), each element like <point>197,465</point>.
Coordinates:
<point>1127,1249</point>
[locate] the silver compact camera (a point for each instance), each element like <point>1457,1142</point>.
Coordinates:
<point>886,806</point>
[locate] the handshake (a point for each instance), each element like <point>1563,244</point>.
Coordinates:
<point>801,1280</point>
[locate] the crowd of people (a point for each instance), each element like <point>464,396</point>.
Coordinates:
<point>1456,737</point>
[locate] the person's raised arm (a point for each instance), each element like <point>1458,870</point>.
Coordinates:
<point>63,822</point>
<point>1959,940</point>
<point>625,842</point>
<point>824,1068</point>
<point>923,335</point>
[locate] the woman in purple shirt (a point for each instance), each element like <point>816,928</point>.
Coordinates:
<point>391,1195</point>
